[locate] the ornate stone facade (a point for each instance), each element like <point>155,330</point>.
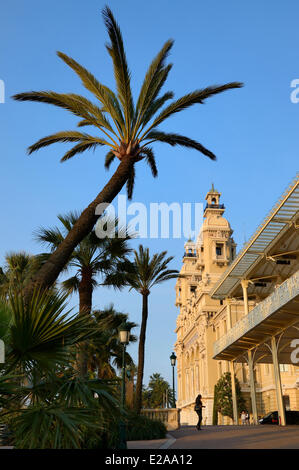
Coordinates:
<point>203,320</point>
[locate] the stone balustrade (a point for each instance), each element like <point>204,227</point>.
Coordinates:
<point>169,416</point>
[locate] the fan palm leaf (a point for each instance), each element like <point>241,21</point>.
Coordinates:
<point>41,331</point>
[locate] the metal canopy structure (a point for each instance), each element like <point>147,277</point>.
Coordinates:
<point>281,218</point>
<point>278,315</point>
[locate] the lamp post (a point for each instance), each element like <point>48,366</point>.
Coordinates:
<point>124,338</point>
<point>173,361</point>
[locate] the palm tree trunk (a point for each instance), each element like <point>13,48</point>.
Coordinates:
<point>138,397</point>
<point>49,272</point>
<point>85,304</point>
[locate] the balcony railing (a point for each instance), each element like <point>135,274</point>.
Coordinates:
<point>189,255</point>
<point>214,206</point>
<point>283,294</point>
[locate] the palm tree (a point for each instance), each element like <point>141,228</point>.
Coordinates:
<point>158,393</point>
<point>46,404</point>
<point>18,269</point>
<point>105,350</point>
<point>92,257</point>
<point>144,274</point>
<point>127,130</point>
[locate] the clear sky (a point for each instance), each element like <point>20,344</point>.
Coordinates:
<point>253,131</point>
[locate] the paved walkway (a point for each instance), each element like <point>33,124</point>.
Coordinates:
<point>237,437</point>
<point>226,437</point>
<point>155,444</point>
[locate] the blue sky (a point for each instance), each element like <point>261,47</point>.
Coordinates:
<point>253,131</point>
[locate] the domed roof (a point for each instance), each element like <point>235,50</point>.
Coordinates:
<point>215,220</point>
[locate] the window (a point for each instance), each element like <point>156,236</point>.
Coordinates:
<point>218,249</point>
<point>193,289</point>
<point>284,367</point>
<point>286,402</point>
<point>225,327</point>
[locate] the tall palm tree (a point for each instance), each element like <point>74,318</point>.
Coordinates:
<point>91,258</point>
<point>145,273</point>
<point>128,130</point>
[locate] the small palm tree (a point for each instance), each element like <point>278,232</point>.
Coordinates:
<point>160,391</point>
<point>39,334</point>
<point>145,273</point>
<point>128,130</point>
<point>18,269</point>
<point>46,405</point>
<point>105,350</point>
<point>91,258</point>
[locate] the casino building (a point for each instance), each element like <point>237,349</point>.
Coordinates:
<point>240,314</point>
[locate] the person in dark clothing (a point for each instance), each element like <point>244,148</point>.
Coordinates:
<point>198,408</point>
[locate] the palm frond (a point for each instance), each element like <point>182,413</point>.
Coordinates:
<point>51,237</point>
<point>148,154</point>
<point>121,70</point>
<point>68,220</point>
<point>66,136</point>
<point>79,148</point>
<point>42,331</point>
<point>130,183</point>
<point>155,106</point>
<point>70,285</point>
<point>52,427</point>
<point>147,272</point>
<point>110,156</point>
<point>84,122</point>
<point>76,104</point>
<point>102,92</point>
<point>197,96</point>
<point>161,79</point>
<point>153,82</point>
<point>177,139</point>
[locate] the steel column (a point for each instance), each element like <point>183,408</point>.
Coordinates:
<point>234,395</point>
<point>278,387</point>
<point>252,387</point>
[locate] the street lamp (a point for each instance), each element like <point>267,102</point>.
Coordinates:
<point>124,338</point>
<point>173,361</point>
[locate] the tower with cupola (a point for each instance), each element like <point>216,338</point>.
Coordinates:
<point>204,260</point>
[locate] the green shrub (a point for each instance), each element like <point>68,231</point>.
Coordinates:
<point>137,428</point>
<point>106,436</point>
<point>142,428</point>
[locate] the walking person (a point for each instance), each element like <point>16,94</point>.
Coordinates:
<point>198,408</point>
<point>243,418</point>
<point>247,418</point>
